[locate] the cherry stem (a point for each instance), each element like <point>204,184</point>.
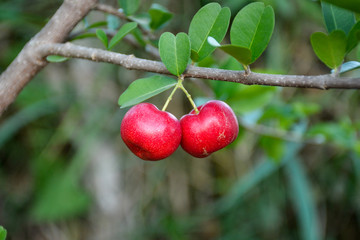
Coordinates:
<point>170,97</point>
<point>180,85</point>
<point>181,79</point>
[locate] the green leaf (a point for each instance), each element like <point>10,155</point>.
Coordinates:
<point>210,20</point>
<point>273,147</point>
<point>330,49</point>
<point>3,233</point>
<point>251,180</point>
<point>102,36</point>
<point>59,198</point>
<point>252,28</point>
<point>97,24</point>
<point>84,35</point>
<point>175,52</point>
<point>129,6</point>
<point>353,37</point>
<point>55,58</point>
<point>352,5</point>
<point>113,22</point>
<point>241,54</point>
<point>249,98</point>
<point>139,37</point>
<point>302,199</point>
<point>337,18</point>
<point>343,134</point>
<point>145,88</point>
<point>159,16</point>
<point>123,31</point>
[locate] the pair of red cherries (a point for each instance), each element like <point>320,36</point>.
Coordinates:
<point>152,134</point>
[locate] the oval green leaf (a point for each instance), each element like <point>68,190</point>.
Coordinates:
<point>159,16</point>
<point>354,37</point>
<point>337,18</point>
<point>210,20</point>
<point>100,34</point>
<point>252,28</point>
<point>123,31</point>
<point>330,49</point>
<point>129,6</point>
<point>241,54</point>
<point>97,24</point>
<point>352,5</point>
<point>3,233</point>
<point>175,52</point>
<point>145,88</point>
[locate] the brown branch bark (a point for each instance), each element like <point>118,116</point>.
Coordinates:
<point>134,63</point>
<point>29,61</point>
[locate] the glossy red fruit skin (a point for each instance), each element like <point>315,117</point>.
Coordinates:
<point>149,133</point>
<point>214,128</point>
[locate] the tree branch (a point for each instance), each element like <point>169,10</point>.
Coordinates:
<point>29,61</point>
<point>48,42</point>
<point>131,62</point>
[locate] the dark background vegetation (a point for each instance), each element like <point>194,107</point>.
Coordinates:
<point>293,173</point>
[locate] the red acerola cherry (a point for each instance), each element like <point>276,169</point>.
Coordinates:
<point>149,133</point>
<point>212,129</point>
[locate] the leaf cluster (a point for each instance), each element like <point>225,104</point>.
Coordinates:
<point>250,34</point>
<point>343,35</point>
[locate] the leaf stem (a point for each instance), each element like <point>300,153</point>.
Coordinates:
<point>247,70</point>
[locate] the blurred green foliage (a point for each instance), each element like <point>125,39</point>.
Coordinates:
<point>293,172</point>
